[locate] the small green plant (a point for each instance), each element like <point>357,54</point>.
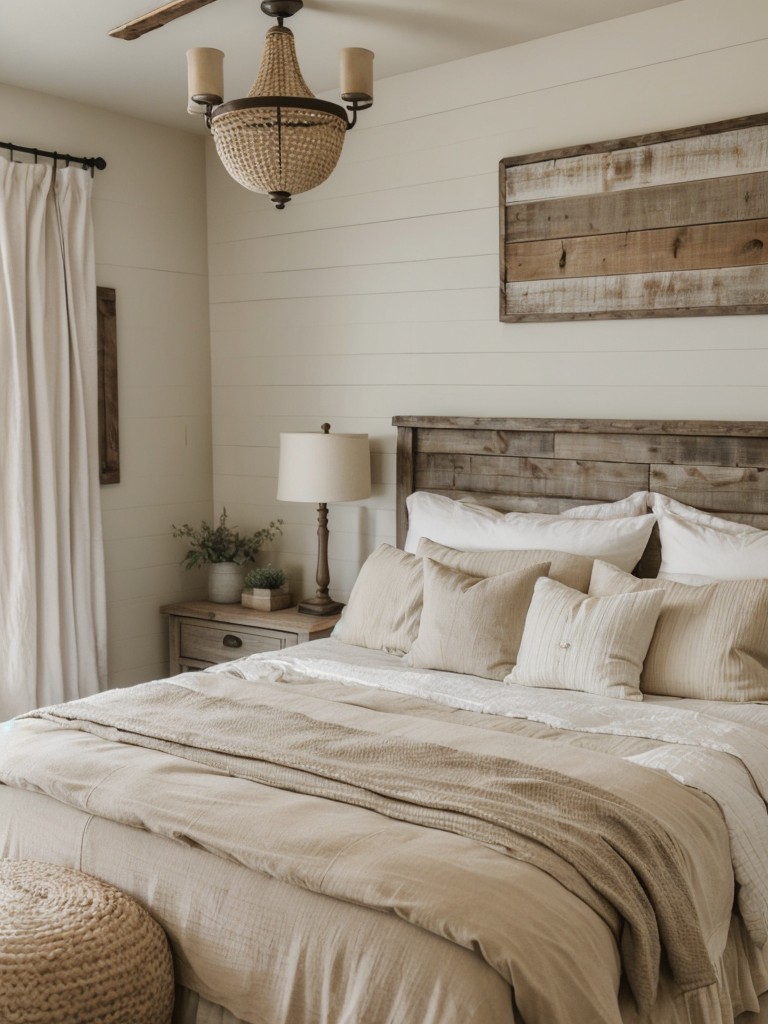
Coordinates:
<point>265,577</point>
<point>222,543</point>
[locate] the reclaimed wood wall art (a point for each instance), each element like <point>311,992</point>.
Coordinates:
<point>669,224</point>
<point>109,438</point>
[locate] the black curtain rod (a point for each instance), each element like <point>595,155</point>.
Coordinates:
<point>97,163</point>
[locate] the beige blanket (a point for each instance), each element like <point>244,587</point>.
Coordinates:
<point>618,858</point>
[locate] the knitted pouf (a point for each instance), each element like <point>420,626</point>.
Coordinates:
<point>74,950</point>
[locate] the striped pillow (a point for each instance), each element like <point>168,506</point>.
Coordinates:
<point>711,641</point>
<point>595,644</point>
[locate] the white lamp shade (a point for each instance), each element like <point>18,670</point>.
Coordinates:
<point>324,467</point>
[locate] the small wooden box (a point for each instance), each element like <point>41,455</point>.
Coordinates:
<point>266,600</point>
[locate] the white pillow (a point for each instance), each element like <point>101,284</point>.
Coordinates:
<point>662,504</point>
<point>636,504</point>
<point>595,644</point>
<point>692,552</point>
<point>457,524</point>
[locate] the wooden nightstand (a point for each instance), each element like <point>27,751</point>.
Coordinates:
<point>202,633</point>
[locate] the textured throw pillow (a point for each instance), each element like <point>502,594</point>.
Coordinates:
<point>700,553</point>
<point>472,625</point>
<point>385,604</point>
<point>595,644</point>
<point>573,570</point>
<point>475,528</point>
<point>711,642</point>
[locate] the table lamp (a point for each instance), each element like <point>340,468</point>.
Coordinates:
<point>323,468</point>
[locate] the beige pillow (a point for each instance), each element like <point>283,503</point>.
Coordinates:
<point>385,604</point>
<point>595,644</point>
<point>711,641</point>
<point>572,570</point>
<point>472,625</point>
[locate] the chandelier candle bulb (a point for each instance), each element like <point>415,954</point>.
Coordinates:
<point>356,74</point>
<point>205,77</point>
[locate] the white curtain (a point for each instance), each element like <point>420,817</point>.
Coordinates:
<point>52,601</point>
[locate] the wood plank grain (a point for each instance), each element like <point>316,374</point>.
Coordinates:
<point>639,207</point>
<point>108,418</point>
<point>736,197</point>
<point>633,141</point>
<point>693,247</point>
<point>714,488</point>
<point>681,293</point>
<point>679,451</point>
<point>138,27</point>
<point>486,442</point>
<point>760,520</point>
<point>711,155</point>
<point>708,428</point>
<point>650,560</point>
<point>524,476</point>
<point>405,482</point>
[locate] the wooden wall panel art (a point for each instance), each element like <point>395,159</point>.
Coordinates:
<point>669,224</point>
<point>109,437</point>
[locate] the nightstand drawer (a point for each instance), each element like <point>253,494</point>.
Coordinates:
<point>215,643</point>
<point>202,633</point>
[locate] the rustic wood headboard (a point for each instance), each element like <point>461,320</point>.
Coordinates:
<point>548,465</point>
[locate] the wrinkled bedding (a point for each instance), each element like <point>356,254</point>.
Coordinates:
<point>347,911</point>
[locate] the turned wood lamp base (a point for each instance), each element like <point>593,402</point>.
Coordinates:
<point>316,606</point>
<point>321,603</point>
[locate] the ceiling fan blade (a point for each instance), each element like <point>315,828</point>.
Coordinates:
<point>157,18</point>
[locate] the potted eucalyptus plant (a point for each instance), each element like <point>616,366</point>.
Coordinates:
<point>265,589</point>
<point>225,551</point>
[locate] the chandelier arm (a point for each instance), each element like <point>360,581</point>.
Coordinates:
<point>361,102</point>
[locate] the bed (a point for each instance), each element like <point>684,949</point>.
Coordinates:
<point>344,833</point>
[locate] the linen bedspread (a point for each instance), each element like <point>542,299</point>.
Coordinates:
<point>216,789</point>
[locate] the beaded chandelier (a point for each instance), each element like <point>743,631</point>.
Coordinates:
<point>280,140</point>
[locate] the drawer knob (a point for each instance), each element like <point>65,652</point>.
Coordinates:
<point>232,641</point>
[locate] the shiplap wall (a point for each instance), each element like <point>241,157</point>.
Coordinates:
<point>150,236</point>
<point>377,294</point>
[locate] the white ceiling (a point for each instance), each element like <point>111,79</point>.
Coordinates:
<point>62,48</point>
